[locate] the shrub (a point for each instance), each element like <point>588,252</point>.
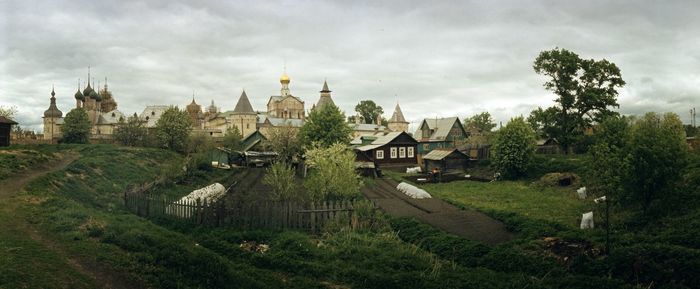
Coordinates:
<point>514,148</point>
<point>280,176</point>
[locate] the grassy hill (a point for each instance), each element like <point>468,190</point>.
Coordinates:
<point>69,230</point>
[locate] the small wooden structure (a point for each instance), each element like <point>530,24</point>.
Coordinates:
<point>445,160</point>
<point>5,129</point>
<point>394,149</point>
<point>548,146</point>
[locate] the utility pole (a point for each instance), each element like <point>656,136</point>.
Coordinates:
<point>692,117</point>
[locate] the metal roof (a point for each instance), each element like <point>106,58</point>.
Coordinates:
<point>243,106</point>
<point>398,115</point>
<point>441,127</point>
<point>6,120</point>
<point>152,113</point>
<point>439,154</point>
<point>367,127</point>
<point>111,117</point>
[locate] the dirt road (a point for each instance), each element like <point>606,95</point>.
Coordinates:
<point>468,224</point>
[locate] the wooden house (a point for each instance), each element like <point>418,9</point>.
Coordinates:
<point>394,149</point>
<point>548,146</point>
<point>450,159</point>
<point>5,129</point>
<point>440,133</point>
<point>255,141</point>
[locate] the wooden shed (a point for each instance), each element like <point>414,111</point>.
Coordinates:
<point>5,129</point>
<point>445,160</point>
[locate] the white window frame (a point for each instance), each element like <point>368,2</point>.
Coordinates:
<point>380,154</point>
<point>409,152</point>
<point>402,152</point>
<point>392,153</point>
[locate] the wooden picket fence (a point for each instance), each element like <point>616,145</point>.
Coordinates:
<point>312,216</point>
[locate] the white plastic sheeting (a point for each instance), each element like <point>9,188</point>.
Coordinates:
<point>209,193</point>
<point>415,170</point>
<point>413,191</point>
<point>587,220</point>
<point>581,192</point>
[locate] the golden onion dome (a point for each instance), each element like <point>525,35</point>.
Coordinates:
<point>284,78</point>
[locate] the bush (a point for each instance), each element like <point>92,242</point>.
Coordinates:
<point>513,148</point>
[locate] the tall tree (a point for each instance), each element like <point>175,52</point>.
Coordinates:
<point>586,89</point>
<point>285,141</point>
<point>657,154</point>
<point>514,148</point>
<point>130,132</point>
<point>481,121</point>
<point>605,169</point>
<point>173,128</point>
<point>76,126</point>
<point>325,126</point>
<point>233,139</point>
<point>369,111</point>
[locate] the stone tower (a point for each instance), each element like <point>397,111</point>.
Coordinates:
<point>325,96</point>
<point>53,118</point>
<point>397,121</point>
<point>194,110</point>
<point>243,116</point>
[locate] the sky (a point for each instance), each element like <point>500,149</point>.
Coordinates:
<point>435,58</point>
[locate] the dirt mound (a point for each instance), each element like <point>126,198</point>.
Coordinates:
<point>566,250</point>
<point>559,179</point>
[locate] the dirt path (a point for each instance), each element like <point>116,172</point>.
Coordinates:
<point>468,224</point>
<point>12,186</point>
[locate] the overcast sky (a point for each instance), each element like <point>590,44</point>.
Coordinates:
<point>437,58</point>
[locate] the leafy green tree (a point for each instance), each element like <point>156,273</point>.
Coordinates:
<point>513,148</point>
<point>285,141</point>
<point>544,122</point>
<point>8,112</point>
<point>233,139</point>
<point>76,126</point>
<point>481,121</point>
<point>325,126</point>
<point>369,111</point>
<point>173,128</point>
<point>657,155</point>
<point>332,172</point>
<point>130,133</point>
<point>586,91</point>
<point>606,169</point>
<point>280,176</point>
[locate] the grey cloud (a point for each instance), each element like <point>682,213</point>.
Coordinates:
<point>440,58</point>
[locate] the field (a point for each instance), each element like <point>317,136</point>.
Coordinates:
<point>69,229</point>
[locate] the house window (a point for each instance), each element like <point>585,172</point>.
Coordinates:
<point>410,152</point>
<point>402,152</point>
<point>393,153</point>
<point>380,154</point>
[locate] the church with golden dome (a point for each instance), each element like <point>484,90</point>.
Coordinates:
<point>283,110</point>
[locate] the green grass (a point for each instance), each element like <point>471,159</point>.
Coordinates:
<point>80,210</point>
<point>559,205</point>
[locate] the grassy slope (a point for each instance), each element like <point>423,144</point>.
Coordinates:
<point>79,209</point>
